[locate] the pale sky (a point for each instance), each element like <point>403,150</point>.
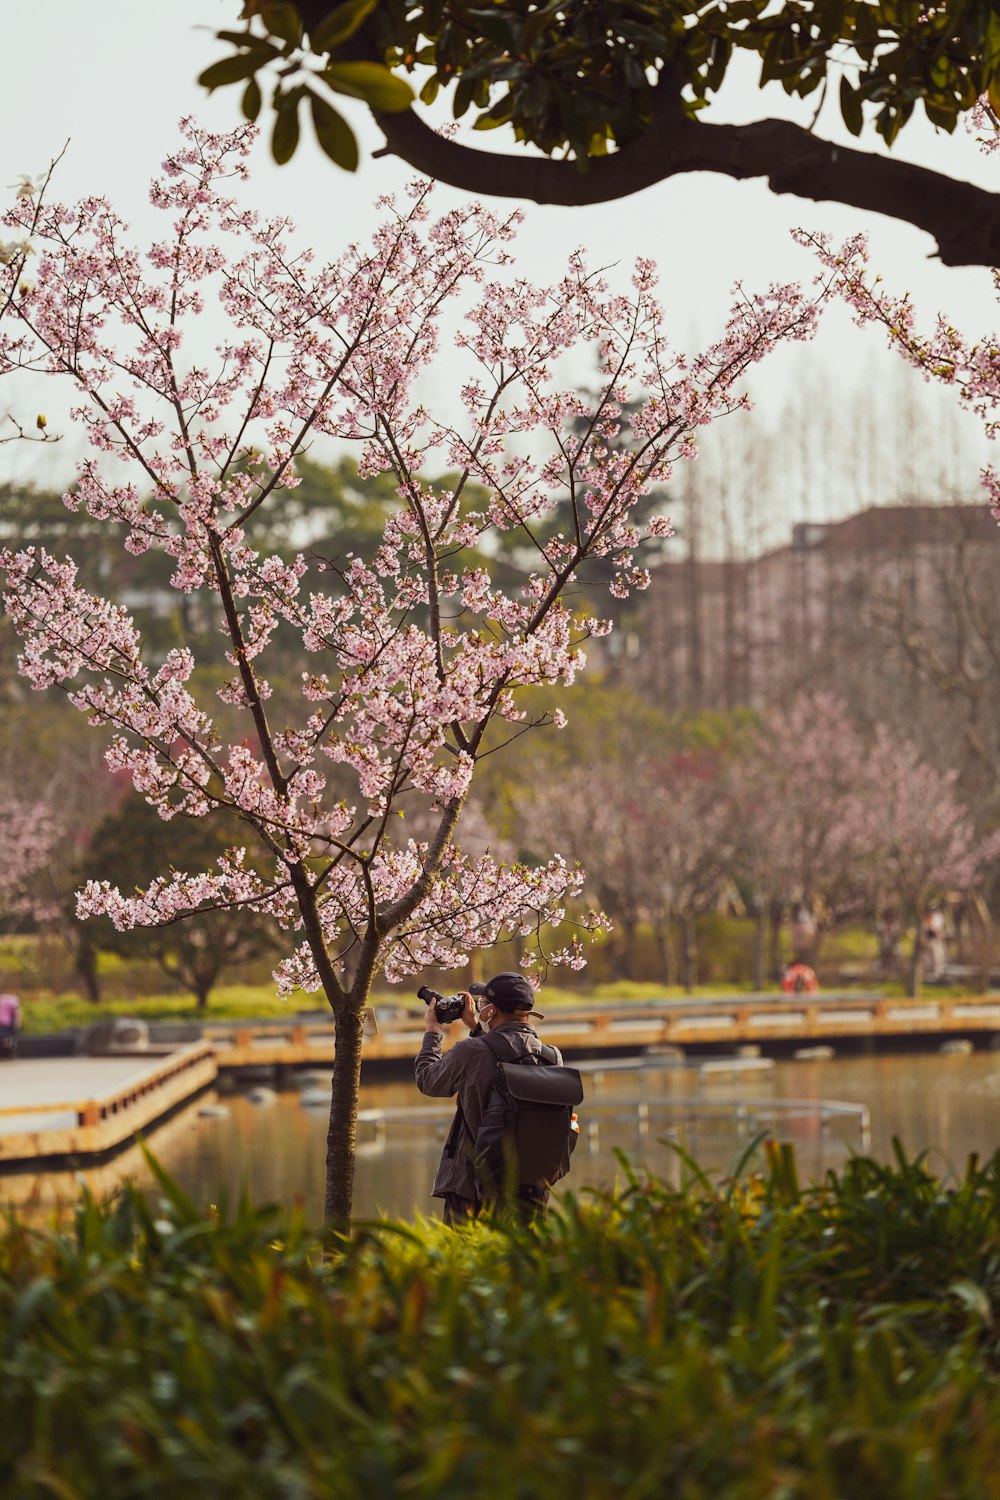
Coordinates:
<point>114,79</point>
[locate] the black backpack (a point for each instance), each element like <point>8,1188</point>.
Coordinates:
<point>528,1129</point>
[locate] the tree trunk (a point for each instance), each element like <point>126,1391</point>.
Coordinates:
<point>774,963</point>
<point>759,945</point>
<point>661,933</point>
<point>85,964</point>
<point>916,963</point>
<point>628,930</point>
<point>349,1024</point>
<point>689,952</point>
<point>618,964</point>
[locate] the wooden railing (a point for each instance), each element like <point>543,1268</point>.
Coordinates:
<point>101,1123</point>
<point>734,1020</point>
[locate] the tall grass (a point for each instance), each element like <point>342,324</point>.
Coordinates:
<point>745,1338</point>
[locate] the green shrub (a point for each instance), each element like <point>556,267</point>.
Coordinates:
<point>743,1339</point>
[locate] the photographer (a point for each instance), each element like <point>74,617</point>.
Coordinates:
<point>468,1069</point>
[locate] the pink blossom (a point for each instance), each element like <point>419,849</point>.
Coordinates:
<point>409,662</point>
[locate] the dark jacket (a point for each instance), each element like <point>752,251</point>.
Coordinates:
<point>468,1070</point>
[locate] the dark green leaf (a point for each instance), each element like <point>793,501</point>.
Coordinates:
<point>251,100</point>
<point>941,113</point>
<point>498,115</point>
<point>229,70</point>
<point>496,25</point>
<point>341,23</point>
<point>888,123</point>
<point>850,107</point>
<point>371,82</point>
<point>334,134</point>
<point>250,40</point>
<point>463,97</point>
<point>282,19</point>
<point>285,136</point>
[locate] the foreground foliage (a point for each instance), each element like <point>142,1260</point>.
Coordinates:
<point>748,1338</point>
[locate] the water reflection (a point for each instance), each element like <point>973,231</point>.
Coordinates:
<point>949,1105</point>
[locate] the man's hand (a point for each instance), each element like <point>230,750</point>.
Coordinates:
<point>431,1022</point>
<point>470,1015</point>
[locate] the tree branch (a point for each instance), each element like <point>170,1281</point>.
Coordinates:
<point>962,218</point>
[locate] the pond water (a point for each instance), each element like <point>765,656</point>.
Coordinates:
<point>948,1105</point>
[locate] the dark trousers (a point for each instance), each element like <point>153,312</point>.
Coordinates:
<point>8,1041</point>
<point>459,1210</point>
<point>529,1204</point>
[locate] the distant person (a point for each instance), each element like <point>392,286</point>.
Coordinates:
<point>10,1025</point>
<point>804,933</point>
<point>799,979</point>
<point>889,935</point>
<point>933,931</point>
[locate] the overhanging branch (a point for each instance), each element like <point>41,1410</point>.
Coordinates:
<point>962,218</point>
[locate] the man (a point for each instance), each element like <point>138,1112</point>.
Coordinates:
<point>468,1070</point>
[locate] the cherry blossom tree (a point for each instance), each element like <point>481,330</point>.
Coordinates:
<point>653,828</point>
<point>921,840</point>
<point>30,833</point>
<point>793,799</point>
<point>589,794</point>
<point>695,843</point>
<point>408,661</point>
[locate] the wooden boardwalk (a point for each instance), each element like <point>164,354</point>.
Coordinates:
<point>74,1108</point>
<point>731,1021</point>
<point>96,1119</point>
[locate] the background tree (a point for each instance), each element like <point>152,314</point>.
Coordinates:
<point>615,87</point>
<point>409,663</point>
<point>586,791</point>
<point>920,838</point>
<point>130,848</point>
<point>29,835</point>
<point>694,843</point>
<point>639,800</point>
<point>789,800</point>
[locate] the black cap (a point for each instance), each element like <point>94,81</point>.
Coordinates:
<point>510,992</point>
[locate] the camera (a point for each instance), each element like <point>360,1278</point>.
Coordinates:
<point>447,1008</point>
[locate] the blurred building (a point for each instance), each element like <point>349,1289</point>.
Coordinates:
<point>894,592</point>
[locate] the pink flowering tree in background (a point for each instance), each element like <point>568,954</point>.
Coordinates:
<point>920,839</point>
<point>694,840</point>
<point>793,803</point>
<point>406,662</point>
<point>594,805</point>
<point>30,836</point>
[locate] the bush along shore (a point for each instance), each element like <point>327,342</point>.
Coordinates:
<point>741,1338</point>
